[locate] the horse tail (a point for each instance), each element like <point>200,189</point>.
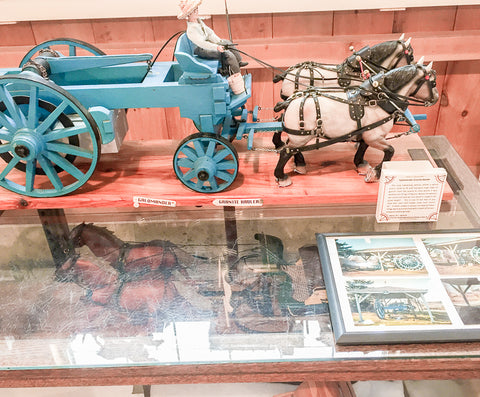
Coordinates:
<point>279,77</point>
<point>281,106</point>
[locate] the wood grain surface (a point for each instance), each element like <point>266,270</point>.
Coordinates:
<point>146,169</point>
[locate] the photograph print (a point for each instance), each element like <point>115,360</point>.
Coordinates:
<point>400,288</point>
<point>370,256</point>
<point>457,254</point>
<point>395,302</point>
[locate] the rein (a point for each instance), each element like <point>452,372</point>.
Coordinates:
<point>346,70</point>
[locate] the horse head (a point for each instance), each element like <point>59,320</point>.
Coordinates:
<point>99,240</point>
<point>76,235</point>
<point>390,54</point>
<point>409,83</point>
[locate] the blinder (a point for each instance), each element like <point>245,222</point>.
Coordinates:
<point>407,53</point>
<point>430,78</point>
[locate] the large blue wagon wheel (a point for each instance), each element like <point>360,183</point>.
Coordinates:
<point>408,262</point>
<point>37,144</point>
<point>206,163</point>
<point>63,46</point>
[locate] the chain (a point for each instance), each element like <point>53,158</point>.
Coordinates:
<point>260,149</point>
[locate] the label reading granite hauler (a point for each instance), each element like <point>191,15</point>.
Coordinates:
<point>238,202</point>
<point>150,201</point>
<point>410,191</point>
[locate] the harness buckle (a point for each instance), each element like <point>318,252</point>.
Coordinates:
<point>319,123</point>
<point>372,102</point>
<point>301,124</point>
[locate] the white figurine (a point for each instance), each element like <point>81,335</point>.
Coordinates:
<point>209,46</point>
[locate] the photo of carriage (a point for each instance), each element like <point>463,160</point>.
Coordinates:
<point>454,256</point>
<point>375,256</point>
<point>395,302</point>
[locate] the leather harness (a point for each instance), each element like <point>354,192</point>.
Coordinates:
<point>370,93</point>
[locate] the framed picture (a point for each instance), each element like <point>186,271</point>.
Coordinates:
<point>395,288</point>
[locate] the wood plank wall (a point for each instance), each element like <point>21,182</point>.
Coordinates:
<point>448,35</point>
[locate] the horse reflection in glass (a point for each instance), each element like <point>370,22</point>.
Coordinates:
<point>138,279</point>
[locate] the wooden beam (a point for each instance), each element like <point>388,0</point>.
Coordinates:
<point>438,46</point>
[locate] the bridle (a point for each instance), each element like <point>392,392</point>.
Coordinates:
<point>377,84</point>
<point>407,53</point>
<point>429,78</point>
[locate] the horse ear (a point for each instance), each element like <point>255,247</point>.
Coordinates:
<point>429,67</point>
<point>407,43</point>
<point>401,37</point>
<point>420,61</point>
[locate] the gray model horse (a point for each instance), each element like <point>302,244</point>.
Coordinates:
<point>381,57</point>
<point>364,114</point>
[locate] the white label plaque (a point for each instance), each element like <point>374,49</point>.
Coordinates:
<point>232,202</point>
<point>410,191</point>
<point>137,200</point>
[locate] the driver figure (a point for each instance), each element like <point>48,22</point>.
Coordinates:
<point>209,46</point>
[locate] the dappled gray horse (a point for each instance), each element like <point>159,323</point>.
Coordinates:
<point>381,57</point>
<point>364,114</point>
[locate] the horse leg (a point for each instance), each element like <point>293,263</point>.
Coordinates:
<point>374,174</point>
<point>300,164</point>
<point>360,164</point>
<point>277,140</point>
<point>282,179</point>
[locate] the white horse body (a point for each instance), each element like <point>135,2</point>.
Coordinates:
<point>335,121</point>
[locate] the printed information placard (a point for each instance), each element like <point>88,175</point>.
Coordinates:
<point>410,191</point>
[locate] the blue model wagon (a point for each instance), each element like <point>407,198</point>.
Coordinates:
<point>57,109</point>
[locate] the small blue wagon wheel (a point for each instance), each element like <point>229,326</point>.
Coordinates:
<point>64,46</point>
<point>38,144</point>
<point>206,163</point>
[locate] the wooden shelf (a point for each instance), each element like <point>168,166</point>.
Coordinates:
<point>145,169</point>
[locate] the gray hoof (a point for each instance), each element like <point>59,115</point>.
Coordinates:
<point>371,176</point>
<point>284,182</point>
<point>301,169</point>
<point>363,168</point>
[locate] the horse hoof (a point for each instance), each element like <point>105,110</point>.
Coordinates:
<point>301,169</point>
<point>371,176</point>
<point>363,168</point>
<point>284,182</point>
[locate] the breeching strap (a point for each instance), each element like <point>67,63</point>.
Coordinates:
<point>343,138</point>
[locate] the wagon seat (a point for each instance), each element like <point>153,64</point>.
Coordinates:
<point>195,69</point>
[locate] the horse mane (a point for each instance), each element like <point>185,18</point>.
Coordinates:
<point>101,231</point>
<point>397,78</point>
<point>381,51</point>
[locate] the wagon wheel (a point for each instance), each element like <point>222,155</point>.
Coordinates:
<point>206,163</point>
<point>57,45</point>
<point>44,109</point>
<point>408,262</point>
<point>475,252</point>
<point>379,309</point>
<point>38,144</point>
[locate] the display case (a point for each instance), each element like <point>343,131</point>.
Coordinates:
<point>99,291</point>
